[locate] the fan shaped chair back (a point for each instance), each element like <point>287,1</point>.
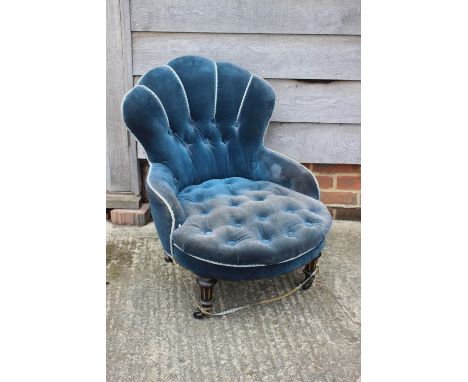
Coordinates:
<point>202,119</point>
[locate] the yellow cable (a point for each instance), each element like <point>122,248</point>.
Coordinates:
<point>236,309</point>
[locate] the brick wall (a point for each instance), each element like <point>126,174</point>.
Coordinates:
<point>144,168</point>
<point>340,188</point>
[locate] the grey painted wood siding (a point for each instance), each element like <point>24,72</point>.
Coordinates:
<point>326,102</point>
<point>271,56</point>
<point>312,142</point>
<point>247,16</point>
<point>312,101</point>
<point>122,173</point>
<point>316,142</point>
<point>308,50</point>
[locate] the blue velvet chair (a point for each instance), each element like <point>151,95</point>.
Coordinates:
<point>225,206</point>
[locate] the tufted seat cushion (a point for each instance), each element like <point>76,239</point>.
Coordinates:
<point>241,222</point>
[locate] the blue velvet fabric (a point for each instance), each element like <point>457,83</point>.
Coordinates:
<point>237,221</point>
<point>202,125</point>
<point>224,272</point>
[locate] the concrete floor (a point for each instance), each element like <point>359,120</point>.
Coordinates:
<point>151,335</point>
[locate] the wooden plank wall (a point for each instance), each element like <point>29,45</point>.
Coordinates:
<point>121,160</point>
<point>308,50</point>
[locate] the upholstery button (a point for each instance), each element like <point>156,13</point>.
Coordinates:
<point>290,234</point>
<point>206,140</point>
<point>262,218</point>
<point>231,243</point>
<point>308,224</point>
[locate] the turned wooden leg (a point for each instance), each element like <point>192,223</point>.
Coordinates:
<point>167,258</point>
<point>309,270</point>
<point>206,295</point>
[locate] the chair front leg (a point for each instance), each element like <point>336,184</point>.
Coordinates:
<point>206,296</point>
<point>310,272</point>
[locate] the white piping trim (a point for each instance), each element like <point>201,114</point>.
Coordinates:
<point>171,212</point>
<point>216,89</point>
<point>315,180</point>
<point>159,101</point>
<point>248,265</point>
<point>243,98</point>
<point>286,157</point>
<point>183,87</point>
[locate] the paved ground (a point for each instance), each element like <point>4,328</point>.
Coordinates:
<point>151,335</point>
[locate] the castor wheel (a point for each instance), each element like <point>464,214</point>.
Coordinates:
<point>308,284</point>
<point>197,313</point>
<point>168,259</point>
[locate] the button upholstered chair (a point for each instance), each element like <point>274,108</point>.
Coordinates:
<point>225,206</point>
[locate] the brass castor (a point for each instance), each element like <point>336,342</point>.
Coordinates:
<point>308,284</point>
<point>197,313</point>
<point>206,296</point>
<point>309,270</point>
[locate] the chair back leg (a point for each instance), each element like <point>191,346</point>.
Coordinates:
<point>309,270</point>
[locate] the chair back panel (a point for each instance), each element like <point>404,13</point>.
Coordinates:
<point>203,120</point>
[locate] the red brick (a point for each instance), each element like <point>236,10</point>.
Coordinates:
<point>348,182</point>
<point>325,181</point>
<point>343,213</point>
<point>336,168</point>
<point>308,165</point>
<point>338,197</point>
<point>131,217</point>
<point>144,168</point>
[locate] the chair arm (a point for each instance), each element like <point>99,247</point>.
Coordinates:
<point>166,209</point>
<point>276,168</point>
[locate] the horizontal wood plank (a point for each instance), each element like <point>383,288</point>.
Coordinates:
<point>259,16</point>
<point>316,143</point>
<point>312,142</point>
<point>267,55</point>
<point>123,200</point>
<point>308,101</point>
<point>315,101</point>
<point>121,164</point>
